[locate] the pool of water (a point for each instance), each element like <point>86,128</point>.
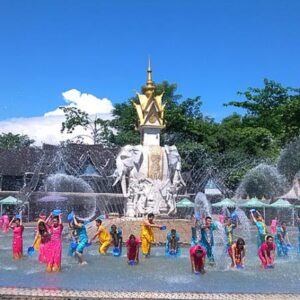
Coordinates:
<point>157,273</point>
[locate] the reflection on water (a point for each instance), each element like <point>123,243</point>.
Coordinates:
<point>158,273</point>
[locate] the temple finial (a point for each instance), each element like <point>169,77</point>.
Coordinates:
<point>149,71</point>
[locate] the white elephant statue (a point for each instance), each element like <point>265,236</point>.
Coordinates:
<point>174,164</point>
<point>128,162</point>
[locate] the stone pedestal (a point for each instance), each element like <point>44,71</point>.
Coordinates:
<point>130,210</point>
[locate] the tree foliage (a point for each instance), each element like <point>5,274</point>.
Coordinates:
<point>98,130</point>
<point>14,141</point>
<point>273,107</point>
<point>226,150</point>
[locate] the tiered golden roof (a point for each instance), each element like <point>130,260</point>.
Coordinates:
<point>150,109</point>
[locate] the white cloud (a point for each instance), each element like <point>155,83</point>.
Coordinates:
<point>86,102</point>
<point>46,128</point>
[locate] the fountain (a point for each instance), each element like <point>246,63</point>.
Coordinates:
<point>150,178</point>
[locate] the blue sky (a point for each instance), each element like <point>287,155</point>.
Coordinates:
<point>209,48</point>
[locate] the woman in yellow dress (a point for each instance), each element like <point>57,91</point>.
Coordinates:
<point>147,234</point>
<point>104,237</point>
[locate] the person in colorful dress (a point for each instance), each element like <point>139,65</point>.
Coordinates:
<point>103,236</point>
<point>5,222</point>
<point>44,237</point>
<point>207,238</point>
<point>147,234</point>
<point>197,256</point>
<point>261,227</point>
<point>282,240</point>
<point>133,245</point>
<point>274,224</point>
<point>54,259</point>
<point>37,238</point>
<point>81,238</point>
<point>172,242</point>
<point>117,239</point>
<point>17,244</point>
<point>229,226</point>
<point>266,253</point>
<point>237,253</point>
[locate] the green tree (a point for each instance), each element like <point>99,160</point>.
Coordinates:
<point>14,141</point>
<point>273,107</point>
<point>98,130</point>
<point>183,117</point>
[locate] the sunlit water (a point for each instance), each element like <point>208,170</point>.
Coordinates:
<point>158,273</point>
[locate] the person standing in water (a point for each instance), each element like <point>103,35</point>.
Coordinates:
<point>282,240</point>
<point>172,245</point>
<point>117,239</point>
<point>229,226</point>
<point>237,253</point>
<point>5,222</point>
<point>133,245</point>
<point>37,239</point>
<point>54,259</point>
<point>207,238</point>
<point>16,225</point>
<point>44,242</point>
<point>81,239</point>
<point>103,236</point>
<point>266,253</point>
<point>274,224</point>
<point>197,256</point>
<point>261,227</point>
<point>147,234</point>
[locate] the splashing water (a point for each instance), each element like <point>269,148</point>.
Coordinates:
<point>83,204</point>
<point>262,181</point>
<point>244,224</point>
<point>202,205</point>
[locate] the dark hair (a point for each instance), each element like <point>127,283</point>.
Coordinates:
<point>42,230</point>
<point>113,226</point>
<point>132,236</point>
<point>268,237</point>
<point>199,250</point>
<point>208,218</point>
<point>99,221</point>
<point>240,241</point>
<point>56,218</point>
<point>151,215</point>
<point>173,230</point>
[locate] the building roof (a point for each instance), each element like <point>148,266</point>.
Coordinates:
<point>49,159</point>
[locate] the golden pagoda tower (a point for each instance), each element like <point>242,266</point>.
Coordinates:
<point>150,112</point>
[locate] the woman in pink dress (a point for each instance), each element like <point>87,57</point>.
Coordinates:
<point>274,223</point>
<point>54,255</point>
<point>5,223</point>
<point>133,245</point>
<point>17,243</point>
<point>44,237</point>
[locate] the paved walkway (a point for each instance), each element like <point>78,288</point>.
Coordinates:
<point>35,294</point>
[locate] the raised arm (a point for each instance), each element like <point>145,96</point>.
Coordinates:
<point>48,219</point>
<point>253,218</point>
<point>10,223</point>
